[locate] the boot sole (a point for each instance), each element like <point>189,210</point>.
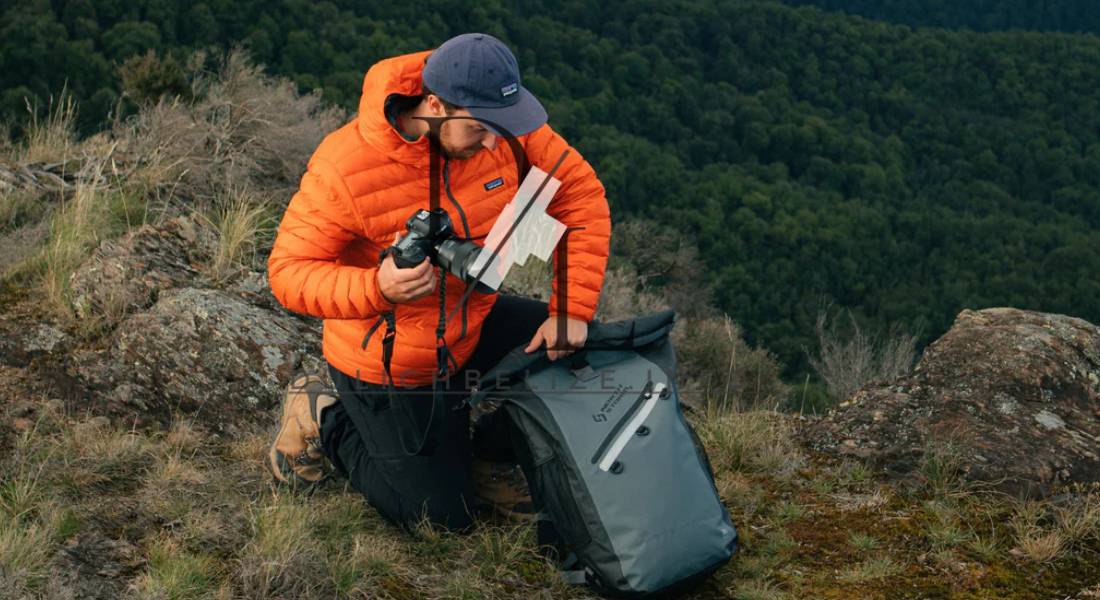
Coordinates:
<point>277,463</point>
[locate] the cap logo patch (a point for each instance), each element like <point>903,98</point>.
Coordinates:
<point>509,89</point>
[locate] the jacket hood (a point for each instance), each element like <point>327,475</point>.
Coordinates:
<point>398,75</point>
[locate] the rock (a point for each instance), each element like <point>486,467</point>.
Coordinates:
<point>1016,395</point>
<point>20,345</point>
<point>205,353</point>
<point>125,276</point>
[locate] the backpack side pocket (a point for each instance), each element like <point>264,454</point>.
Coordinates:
<point>559,502</point>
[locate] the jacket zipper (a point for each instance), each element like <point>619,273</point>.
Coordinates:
<point>447,186</point>
<point>373,328</point>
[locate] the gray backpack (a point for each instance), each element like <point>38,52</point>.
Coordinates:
<point>619,476</point>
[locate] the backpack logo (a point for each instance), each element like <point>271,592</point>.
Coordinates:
<point>499,181</point>
<point>509,89</point>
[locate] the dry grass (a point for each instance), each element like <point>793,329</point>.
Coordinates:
<point>862,542</point>
<point>716,367</point>
<point>879,567</point>
<point>1035,535</point>
<point>939,469</point>
<point>621,297</point>
<point>854,475</point>
<point>89,216</point>
<point>750,441</point>
<point>1080,521</point>
<point>238,222</point>
<point>1045,534</point>
<point>50,139</point>
<point>1042,546</point>
<point>946,535</point>
<point>92,454</point>
<point>74,230</point>
<point>850,357</point>
<point>213,529</point>
<point>25,548</point>
<point>986,547</point>
<point>370,560</point>
<point>760,589</point>
<point>243,131</point>
<point>175,574</point>
<point>282,558</point>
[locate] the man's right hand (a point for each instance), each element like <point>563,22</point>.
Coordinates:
<point>405,285</point>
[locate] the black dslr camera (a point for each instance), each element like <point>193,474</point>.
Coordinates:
<point>432,236</point>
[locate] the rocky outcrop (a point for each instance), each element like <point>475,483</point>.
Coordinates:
<point>1014,394</point>
<point>205,353</point>
<point>125,276</point>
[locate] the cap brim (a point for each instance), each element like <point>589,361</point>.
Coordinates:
<point>521,118</point>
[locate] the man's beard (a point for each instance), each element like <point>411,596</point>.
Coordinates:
<point>459,153</point>
<point>454,153</point>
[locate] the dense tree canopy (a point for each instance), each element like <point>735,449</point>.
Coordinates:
<point>907,174</point>
<point>979,15</point>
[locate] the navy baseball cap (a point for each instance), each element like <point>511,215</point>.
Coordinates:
<point>479,73</point>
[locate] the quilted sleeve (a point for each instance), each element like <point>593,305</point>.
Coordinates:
<point>580,204</point>
<point>303,269</point>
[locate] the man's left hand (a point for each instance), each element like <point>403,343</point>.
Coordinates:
<point>576,332</point>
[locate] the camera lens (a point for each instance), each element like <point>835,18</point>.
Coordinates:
<point>458,257</point>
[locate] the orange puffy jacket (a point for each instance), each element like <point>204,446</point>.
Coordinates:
<point>364,181</point>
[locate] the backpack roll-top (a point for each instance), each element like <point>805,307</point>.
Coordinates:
<point>618,473</point>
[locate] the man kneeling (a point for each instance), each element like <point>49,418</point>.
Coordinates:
<point>463,105</point>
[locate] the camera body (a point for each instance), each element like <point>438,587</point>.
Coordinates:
<point>432,237</point>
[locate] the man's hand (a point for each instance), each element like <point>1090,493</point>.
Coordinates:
<point>576,332</point>
<point>404,285</point>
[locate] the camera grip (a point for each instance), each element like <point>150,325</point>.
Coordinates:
<point>409,258</point>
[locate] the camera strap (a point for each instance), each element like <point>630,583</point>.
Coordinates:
<point>446,365</point>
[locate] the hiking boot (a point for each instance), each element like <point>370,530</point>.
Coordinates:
<point>296,456</point>
<point>502,487</point>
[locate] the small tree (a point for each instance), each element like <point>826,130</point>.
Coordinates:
<point>145,78</point>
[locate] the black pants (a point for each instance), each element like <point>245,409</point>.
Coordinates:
<point>360,435</point>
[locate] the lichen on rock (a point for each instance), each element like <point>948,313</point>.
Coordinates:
<point>1015,393</point>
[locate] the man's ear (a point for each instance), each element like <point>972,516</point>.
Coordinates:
<point>436,106</point>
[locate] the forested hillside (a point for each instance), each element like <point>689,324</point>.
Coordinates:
<point>905,174</point>
<point>979,15</point>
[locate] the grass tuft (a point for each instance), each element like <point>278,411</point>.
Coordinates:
<point>862,542</point>
<point>239,221</point>
<point>788,511</point>
<point>879,567</point>
<point>282,558</point>
<point>947,535</point>
<point>985,547</point>
<point>1042,546</point>
<point>51,138</point>
<point>175,574</point>
<point>939,469</point>
<point>93,453</point>
<point>760,589</point>
<point>757,441</point>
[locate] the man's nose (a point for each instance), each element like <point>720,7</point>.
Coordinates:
<point>490,142</point>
